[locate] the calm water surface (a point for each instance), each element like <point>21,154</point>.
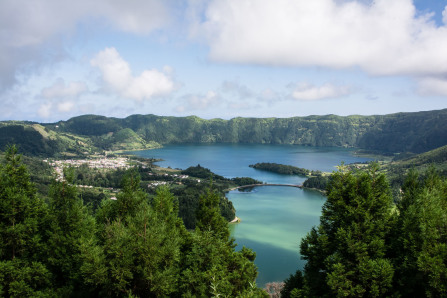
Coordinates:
<point>274,219</point>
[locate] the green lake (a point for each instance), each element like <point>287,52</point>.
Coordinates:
<point>274,218</point>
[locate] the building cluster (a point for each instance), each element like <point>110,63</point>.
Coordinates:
<point>158,183</point>
<point>97,163</point>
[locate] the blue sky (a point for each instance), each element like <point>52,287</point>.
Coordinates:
<point>221,58</point>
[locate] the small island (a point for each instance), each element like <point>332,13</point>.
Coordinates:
<point>285,169</point>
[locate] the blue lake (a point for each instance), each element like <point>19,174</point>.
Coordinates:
<point>274,219</point>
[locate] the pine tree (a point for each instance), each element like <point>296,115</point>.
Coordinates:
<point>140,247</point>
<point>422,243</point>
<point>128,200</point>
<point>211,266</point>
<point>70,225</point>
<point>21,212</point>
<point>346,253</point>
<point>209,217</point>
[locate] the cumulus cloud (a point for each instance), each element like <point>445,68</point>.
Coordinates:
<point>65,106</point>
<point>48,109</point>
<point>382,37</point>
<point>309,92</point>
<point>44,110</point>
<point>61,90</point>
<point>117,76</point>
<point>27,26</point>
<point>239,90</point>
<point>434,86</point>
<point>199,102</point>
<point>270,95</point>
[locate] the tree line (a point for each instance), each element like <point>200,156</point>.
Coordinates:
<point>395,133</point>
<point>368,246</point>
<point>285,169</point>
<point>135,246</point>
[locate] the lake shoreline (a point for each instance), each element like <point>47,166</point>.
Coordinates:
<point>236,220</point>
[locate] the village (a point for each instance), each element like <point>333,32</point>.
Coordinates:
<point>106,163</point>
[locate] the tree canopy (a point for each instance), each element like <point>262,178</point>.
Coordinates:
<point>133,246</point>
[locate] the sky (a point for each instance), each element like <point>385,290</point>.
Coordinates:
<point>221,58</point>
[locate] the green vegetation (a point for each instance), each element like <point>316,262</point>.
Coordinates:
<point>421,163</point>
<point>365,246</point>
<point>201,172</point>
<point>96,184</point>
<point>394,133</point>
<point>318,182</point>
<point>284,169</point>
<point>396,169</point>
<point>135,246</point>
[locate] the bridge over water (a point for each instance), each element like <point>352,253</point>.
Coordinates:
<point>265,184</point>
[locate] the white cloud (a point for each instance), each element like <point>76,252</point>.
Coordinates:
<point>270,95</point>
<point>44,110</point>
<point>238,89</point>
<point>66,106</point>
<point>199,102</point>
<point>117,76</point>
<point>382,37</point>
<point>309,92</point>
<point>432,86</point>
<point>444,16</point>
<point>28,26</point>
<point>60,90</point>
<point>48,110</point>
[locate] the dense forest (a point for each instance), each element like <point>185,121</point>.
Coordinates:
<point>134,246</point>
<point>284,169</point>
<point>382,230</point>
<point>368,246</point>
<point>402,132</point>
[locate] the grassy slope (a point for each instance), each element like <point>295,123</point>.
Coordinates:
<point>437,158</point>
<point>401,132</point>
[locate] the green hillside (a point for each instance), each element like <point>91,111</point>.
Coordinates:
<point>395,133</point>
<point>38,140</point>
<point>402,132</point>
<point>436,158</point>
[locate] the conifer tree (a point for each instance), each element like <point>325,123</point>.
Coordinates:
<point>211,266</point>
<point>127,202</point>
<point>140,247</point>
<point>209,217</point>
<point>422,243</point>
<point>70,225</point>
<point>346,253</point>
<point>21,212</point>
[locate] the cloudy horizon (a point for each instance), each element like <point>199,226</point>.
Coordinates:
<point>221,58</point>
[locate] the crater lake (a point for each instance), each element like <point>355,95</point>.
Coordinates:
<point>273,218</point>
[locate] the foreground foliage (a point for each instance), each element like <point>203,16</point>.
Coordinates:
<point>133,246</point>
<point>365,246</point>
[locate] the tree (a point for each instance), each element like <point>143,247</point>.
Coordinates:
<point>128,200</point>
<point>346,253</point>
<point>421,260</point>
<point>21,213</point>
<point>209,217</point>
<point>20,209</point>
<point>140,247</point>
<point>70,225</point>
<point>211,266</point>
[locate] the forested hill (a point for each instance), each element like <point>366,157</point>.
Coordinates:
<point>401,132</point>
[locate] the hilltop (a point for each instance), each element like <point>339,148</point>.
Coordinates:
<point>394,133</point>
